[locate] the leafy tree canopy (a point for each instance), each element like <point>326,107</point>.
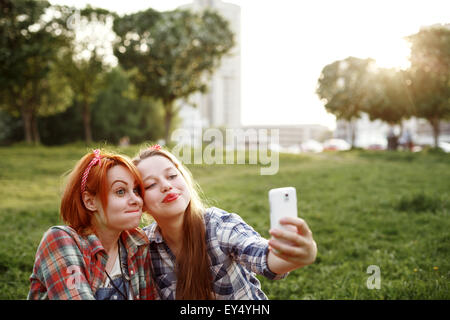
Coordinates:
<point>171,52</point>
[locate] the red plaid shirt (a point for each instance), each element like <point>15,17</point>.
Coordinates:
<point>69,266</point>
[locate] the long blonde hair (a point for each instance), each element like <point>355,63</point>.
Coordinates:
<point>194,279</point>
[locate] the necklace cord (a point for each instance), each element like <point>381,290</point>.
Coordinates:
<point>125,296</point>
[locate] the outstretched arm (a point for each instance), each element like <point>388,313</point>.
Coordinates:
<point>291,249</point>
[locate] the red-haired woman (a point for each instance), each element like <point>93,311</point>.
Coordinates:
<point>200,253</point>
<point>100,253</point>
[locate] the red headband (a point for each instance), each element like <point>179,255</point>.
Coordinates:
<point>97,159</point>
<point>155,147</point>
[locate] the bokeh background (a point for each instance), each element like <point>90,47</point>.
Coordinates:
<point>359,92</point>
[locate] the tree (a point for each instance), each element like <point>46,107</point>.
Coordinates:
<point>430,75</point>
<point>389,99</point>
<point>117,112</point>
<point>10,128</point>
<point>30,82</point>
<point>172,53</point>
<point>88,57</point>
<point>343,86</point>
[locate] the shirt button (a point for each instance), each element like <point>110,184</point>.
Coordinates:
<point>132,272</point>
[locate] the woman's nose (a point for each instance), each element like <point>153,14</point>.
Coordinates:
<point>136,199</point>
<point>166,187</point>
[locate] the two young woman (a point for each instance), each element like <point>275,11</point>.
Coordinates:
<point>193,252</point>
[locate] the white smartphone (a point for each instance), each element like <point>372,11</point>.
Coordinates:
<point>283,203</point>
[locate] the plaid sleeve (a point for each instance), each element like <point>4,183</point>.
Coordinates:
<point>244,244</point>
<point>59,272</point>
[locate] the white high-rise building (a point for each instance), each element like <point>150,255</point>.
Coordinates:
<point>221,105</point>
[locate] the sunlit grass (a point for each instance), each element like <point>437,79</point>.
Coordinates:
<point>364,208</point>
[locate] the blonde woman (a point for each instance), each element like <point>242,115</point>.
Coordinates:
<point>200,253</point>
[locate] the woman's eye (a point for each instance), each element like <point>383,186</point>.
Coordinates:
<point>173,176</point>
<point>150,186</point>
<point>120,192</point>
<point>136,190</point>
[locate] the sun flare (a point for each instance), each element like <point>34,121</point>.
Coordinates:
<point>395,54</point>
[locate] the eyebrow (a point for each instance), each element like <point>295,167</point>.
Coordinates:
<point>152,176</point>
<point>116,181</point>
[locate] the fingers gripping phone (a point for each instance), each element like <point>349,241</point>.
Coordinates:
<point>283,203</point>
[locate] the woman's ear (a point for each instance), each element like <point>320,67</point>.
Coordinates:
<point>89,201</point>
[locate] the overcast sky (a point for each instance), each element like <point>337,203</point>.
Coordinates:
<point>286,43</point>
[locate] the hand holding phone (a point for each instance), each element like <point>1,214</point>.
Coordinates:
<point>292,245</point>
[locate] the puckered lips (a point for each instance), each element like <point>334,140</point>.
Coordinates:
<point>170,197</point>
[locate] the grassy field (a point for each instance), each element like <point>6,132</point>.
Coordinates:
<point>364,208</point>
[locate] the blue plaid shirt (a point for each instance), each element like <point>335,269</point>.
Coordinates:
<point>236,253</point>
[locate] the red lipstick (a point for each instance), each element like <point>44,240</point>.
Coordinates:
<point>171,197</point>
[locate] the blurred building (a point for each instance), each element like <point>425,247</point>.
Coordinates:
<point>367,132</point>
<point>423,132</point>
<point>221,106</point>
<point>375,132</point>
<point>295,135</point>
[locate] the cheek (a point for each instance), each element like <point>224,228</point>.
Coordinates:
<point>149,199</point>
<point>185,193</point>
<point>141,201</point>
<point>185,190</point>
<point>180,184</point>
<point>115,205</point>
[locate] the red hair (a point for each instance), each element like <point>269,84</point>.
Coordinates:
<point>73,211</point>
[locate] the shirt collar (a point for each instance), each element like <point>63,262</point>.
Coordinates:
<point>154,233</point>
<point>131,239</point>
<point>89,242</point>
<point>94,244</point>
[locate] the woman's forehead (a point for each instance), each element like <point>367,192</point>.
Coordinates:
<point>155,165</point>
<point>119,172</point>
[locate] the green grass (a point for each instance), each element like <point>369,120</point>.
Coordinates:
<point>364,208</point>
